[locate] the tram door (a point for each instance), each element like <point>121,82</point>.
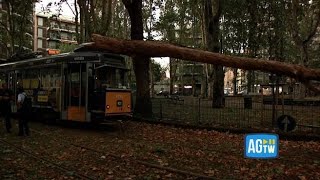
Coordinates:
<point>75,92</point>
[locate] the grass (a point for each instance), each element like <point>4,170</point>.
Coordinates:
<point>233,114</point>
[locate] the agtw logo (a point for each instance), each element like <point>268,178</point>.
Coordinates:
<point>261,146</point>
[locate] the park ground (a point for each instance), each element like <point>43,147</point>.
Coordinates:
<point>146,151</point>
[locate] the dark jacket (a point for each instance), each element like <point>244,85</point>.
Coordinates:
<point>5,102</point>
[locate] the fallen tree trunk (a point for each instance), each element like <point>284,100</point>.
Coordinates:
<point>160,49</point>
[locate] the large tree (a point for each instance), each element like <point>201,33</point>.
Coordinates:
<point>16,25</point>
<point>212,13</point>
<point>141,64</point>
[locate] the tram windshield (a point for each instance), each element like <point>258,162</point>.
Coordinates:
<point>110,77</point>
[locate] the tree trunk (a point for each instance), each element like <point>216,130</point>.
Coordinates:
<point>87,23</point>
<point>109,16</point>
<point>22,25</point>
<point>210,90</point>
<point>171,75</point>
<point>218,87</point>
<point>250,81</point>
<point>93,17</point>
<point>10,19</point>
<point>159,49</point>
<point>209,76</point>
<point>235,75</point>
<point>82,21</point>
<point>212,13</point>
<point>204,87</point>
<point>193,82</point>
<point>151,80</point>
<point>252,40</point>
<point>77,22</point>
<point>140,63</point>
<point>301,42</point>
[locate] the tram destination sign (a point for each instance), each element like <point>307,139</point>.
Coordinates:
<point>84,59</point>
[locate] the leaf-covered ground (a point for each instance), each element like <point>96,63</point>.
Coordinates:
<point>139,151</point>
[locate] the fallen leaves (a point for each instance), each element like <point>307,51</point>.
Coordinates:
<point>205,152</point>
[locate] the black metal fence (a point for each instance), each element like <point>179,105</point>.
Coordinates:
<point>244,112</point>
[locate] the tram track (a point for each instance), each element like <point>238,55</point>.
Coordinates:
<point>209,148</point>
<point>44,160</point>
<point>127,158</point>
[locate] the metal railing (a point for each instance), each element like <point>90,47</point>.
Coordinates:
<point>241,112</point>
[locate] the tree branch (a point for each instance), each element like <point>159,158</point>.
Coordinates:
<point>4,26</point>
<point>314,28</point>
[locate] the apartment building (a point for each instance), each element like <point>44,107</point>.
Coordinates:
<point>50,32</point>
<point>189,77</point>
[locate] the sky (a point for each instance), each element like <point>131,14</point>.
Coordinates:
<point>68,12</point>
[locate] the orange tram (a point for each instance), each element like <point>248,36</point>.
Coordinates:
<point>83,86</point>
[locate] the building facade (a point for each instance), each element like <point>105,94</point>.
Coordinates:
<point>51,32</point>
<point>189,77</point>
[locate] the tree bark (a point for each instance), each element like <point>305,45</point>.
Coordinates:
<point>82,21</point>
<point>106,16</point>
<point>235,75</point>
<point>252,40</point>
<point>10,20</point>
<point>212,13</point>
<point>140,62</point>
<point>77,21</point>
<point>88,28</point>
<point>204,83</point>
<point>171,76</point>
<point>93,17</point>
<point>160,49</point>
<point>151,80</point>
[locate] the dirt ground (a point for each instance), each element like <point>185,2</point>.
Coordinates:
<point>145,151</point>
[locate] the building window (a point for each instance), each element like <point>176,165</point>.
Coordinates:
<point>74,38</point>
<point>64,36</point>
<point>63,26</point>
<point>40,32</point>
<point>52,45</point>
<point>40,21</point>
<point>69,36</point>
<point>40,43</point>
<point>54,35</point>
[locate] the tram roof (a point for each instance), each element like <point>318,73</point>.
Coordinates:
<point>77,56</point>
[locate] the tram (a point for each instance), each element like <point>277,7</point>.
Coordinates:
<point>84,86</point>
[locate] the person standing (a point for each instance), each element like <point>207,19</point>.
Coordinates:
<point>6,100</point>
<point>23,111</point>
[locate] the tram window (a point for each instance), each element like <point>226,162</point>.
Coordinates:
<point>29,79</point>
<point>50,77</point>
<point>109,77</point>
<point>75,77</point>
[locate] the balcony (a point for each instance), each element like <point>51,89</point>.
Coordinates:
<point>68,29</point>
<point>55,27</point>
<point>69,41</point>
<point>63,28</point>
<point>54,38</point>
